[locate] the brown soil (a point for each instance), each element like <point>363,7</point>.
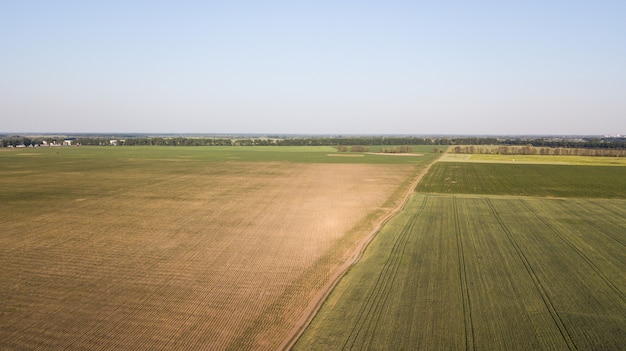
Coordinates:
<point>222,256</point>
<point>323,294</point>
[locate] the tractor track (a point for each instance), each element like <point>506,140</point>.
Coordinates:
<point>567,338</point>
<point>372,308</point>
<point>580,254</point>
<point>465,294</point>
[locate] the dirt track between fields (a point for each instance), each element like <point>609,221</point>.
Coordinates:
<point>323,294</point>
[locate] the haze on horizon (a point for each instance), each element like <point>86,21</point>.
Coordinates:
<point>320,67</point>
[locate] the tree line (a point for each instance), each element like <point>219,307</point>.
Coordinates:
<point>531,150</point>
<point>365,141</point>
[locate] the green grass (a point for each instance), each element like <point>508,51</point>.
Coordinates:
<point>525,179</point>
<point>487,273</point>
<point>130,156</point>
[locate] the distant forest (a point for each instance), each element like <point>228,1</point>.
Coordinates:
<point>119,141</point>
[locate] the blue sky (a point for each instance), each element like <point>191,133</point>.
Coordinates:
<point>338,67</point>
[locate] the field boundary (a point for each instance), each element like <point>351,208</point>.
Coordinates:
<point>380,291</point>
<point>322,295</point>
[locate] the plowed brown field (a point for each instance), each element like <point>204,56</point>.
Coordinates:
<point>224,255</point>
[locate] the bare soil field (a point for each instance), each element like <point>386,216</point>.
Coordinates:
<point>157,255</point>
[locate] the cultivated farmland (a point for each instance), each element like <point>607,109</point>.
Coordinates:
<point>179,248</point>
<point>526,179</point>
<point>478,271</point>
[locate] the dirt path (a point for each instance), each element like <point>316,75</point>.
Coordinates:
<point>322,295</point>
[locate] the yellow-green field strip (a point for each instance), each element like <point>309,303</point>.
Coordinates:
<point>536,159</point>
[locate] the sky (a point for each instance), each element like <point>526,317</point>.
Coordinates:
<point>313,67</point>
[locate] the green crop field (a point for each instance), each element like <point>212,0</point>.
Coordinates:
<point>471,265</point>
<point>525,179</point>
<point>121,156</point>
<point>180,248</point>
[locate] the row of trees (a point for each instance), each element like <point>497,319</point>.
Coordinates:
<point>205,141</point>
<point>353,148</point>
<point>388,150</point>
<point>365,141</point>
<point>531,150</point>
<point>397,149</point>
<point>15,141</point>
